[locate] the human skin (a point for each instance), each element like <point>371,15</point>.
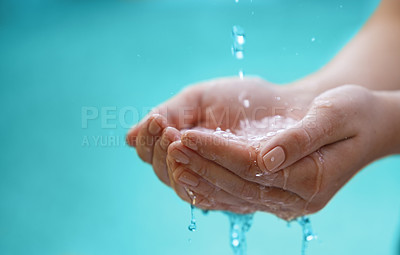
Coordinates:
<point>217,103</point>
<point>352,126</point>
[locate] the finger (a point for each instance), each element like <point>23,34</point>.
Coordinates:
<point>214,197</point>
<point>329,120</point>
<point>130,138</point>
<point>202,195</point>
<point>168,136</point>
<point>240,158</point>
<point>228,181</point>
<point>148,135</point>
<point>197,184</point>
<point>237,156</point>
<point>234,155</point>
<point>317,176</point>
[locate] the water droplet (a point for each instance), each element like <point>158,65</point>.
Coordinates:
<point>246,103</point>
<point>341,6</point>
<point>192,226</point>
<point>241,73</point>
<point>277,98</point>
<point>235,242</point>
<point>320,157</point>
<point>309,238</point>
<point>238,53</point>
<point>313,39</point>
<point>218,129</point>
<point>239,40</point>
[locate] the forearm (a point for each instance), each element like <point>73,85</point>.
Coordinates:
<point>371,59</point>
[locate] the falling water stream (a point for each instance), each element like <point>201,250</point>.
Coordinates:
<point>240,223</point>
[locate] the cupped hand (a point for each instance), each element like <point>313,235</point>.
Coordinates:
<point>298,170</point>
<point>223,103</point>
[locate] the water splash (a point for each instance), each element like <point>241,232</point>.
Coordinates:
<point>308,234</point>
<point>239,225</point>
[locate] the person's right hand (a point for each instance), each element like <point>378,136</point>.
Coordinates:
<point>303,166</point>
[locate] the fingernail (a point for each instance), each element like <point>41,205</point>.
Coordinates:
<point>274,158</point>
<point>167,138</point>
<point>190,141</point>
<point>154,127</point>
<point>189,179</point>
<point>179,156</point>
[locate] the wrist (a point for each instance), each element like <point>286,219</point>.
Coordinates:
<point>306,89</point>
<point>389,123</point>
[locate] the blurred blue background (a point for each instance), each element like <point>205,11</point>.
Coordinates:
<point>62,193</point>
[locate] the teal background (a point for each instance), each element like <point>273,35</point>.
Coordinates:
<point>59,195</point>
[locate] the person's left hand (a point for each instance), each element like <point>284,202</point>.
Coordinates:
<point>303,167</point>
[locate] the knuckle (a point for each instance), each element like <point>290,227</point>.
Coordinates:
<point>251,170</point>
<point>206,189</point>
<point>301,138</point>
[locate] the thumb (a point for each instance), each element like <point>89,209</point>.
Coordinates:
<point>327,121</point>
